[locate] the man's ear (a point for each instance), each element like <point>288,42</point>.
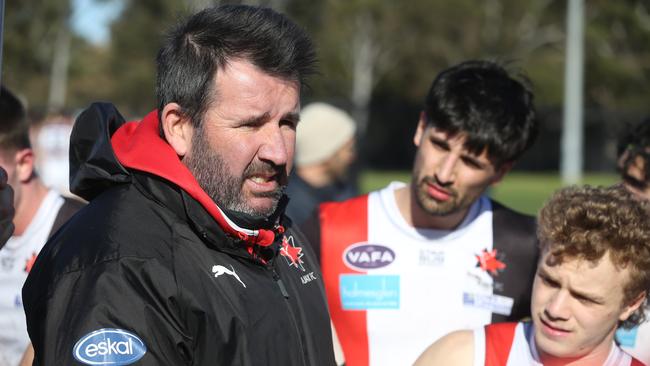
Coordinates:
<point>24,164</point>
<point>633,306</point>
<point>501,172</point>
<point>419,131</point>
<point>177,128</point>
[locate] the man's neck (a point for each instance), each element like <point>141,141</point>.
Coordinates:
<point>32,195</point>
<point>417,217</point>
<point>598,356</point>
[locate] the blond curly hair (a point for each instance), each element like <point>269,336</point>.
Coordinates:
<point>586,222</point>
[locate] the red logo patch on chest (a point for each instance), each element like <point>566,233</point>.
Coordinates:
<point>29,263</point>
<point>489,262</point>
<point>292,253</point>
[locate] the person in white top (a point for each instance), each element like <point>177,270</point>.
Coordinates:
<point>593,277</point>
<point>633,159</point>
<point>38,210</point>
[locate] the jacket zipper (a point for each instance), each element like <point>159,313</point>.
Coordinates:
<point>292,315</point>
<point>278,281</point>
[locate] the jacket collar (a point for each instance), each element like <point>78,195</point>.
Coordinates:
<point>103,145</point>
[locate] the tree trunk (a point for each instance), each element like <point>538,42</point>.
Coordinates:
<point>59,70</point>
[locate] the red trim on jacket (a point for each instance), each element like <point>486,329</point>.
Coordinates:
<point>139,146</point>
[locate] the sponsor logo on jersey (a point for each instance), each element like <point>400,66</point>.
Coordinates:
<point>490,262</point>
<point>494,303</point>
<point>291,253</point>
<point>361,292</point>
<point>219,270</point>
<point>7,263</point>
<point>109,347</point>
<point>627,337</point>
<point>364,256</point>
<point>29,263</point>
<point>431,258</point>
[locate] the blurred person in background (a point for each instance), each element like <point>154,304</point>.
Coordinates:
<point>325,151</point>
<point>51,137</point>
<point>39,212</point>
<point>633,163</point>
<point>192,260</point>
<point>593,276</point>
<point>407,264</point>
<point>6,208</point>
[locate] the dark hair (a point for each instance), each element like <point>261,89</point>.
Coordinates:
<point>585,223</point>
<point>14,129</point>
<point>209,39</point>
<point>482,101</point>
<point>635,144</point>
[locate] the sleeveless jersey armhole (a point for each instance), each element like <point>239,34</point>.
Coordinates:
<point>479,347</point>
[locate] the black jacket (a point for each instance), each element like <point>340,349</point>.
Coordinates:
<point>152,272</point>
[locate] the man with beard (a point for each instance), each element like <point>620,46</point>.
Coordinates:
<point>593,276</point>
<point>183,255</point>
<point>409,263</point>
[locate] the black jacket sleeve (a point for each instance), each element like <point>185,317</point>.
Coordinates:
<point>132,295</point>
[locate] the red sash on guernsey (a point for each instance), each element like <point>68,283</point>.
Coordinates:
<point>498,342</point>
<point>343,224</point>
<point>636,362</point>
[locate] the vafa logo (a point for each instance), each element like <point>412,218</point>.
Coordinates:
<point>109,346</point>
<point>362,256</point>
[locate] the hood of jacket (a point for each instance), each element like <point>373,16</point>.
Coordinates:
<point>104,147</point>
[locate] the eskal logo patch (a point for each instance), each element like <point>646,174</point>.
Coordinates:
<point>109,347</point>
<point>363,256</point>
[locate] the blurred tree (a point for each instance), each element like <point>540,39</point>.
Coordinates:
<point>618,54</point>
<point>136,37</point>
<point>36,50</point>
<point>377,57</point>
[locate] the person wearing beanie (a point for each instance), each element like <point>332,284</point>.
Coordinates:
<point>325,150</point>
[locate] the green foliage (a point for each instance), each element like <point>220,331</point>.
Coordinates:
<point>136,37</point>
<point>412,41</point>
<point>30,30</point>
<point>524,192</point>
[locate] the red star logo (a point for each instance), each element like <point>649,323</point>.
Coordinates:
<point>488,262</point>
<point>291,253</point>
<point>30,262</point>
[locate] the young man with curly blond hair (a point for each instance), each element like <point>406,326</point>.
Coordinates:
<point>593,276</point>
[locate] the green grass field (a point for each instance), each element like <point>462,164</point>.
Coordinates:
<point>525,192</point>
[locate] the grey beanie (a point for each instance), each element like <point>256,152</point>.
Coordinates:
<point>323,130</point>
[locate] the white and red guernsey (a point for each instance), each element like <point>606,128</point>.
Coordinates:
<point>394,289</point>
<point>513,344</point>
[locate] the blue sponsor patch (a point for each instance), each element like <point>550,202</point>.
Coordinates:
<point>109,347</point>
<point>361,292</point>
<point>627,337</point>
